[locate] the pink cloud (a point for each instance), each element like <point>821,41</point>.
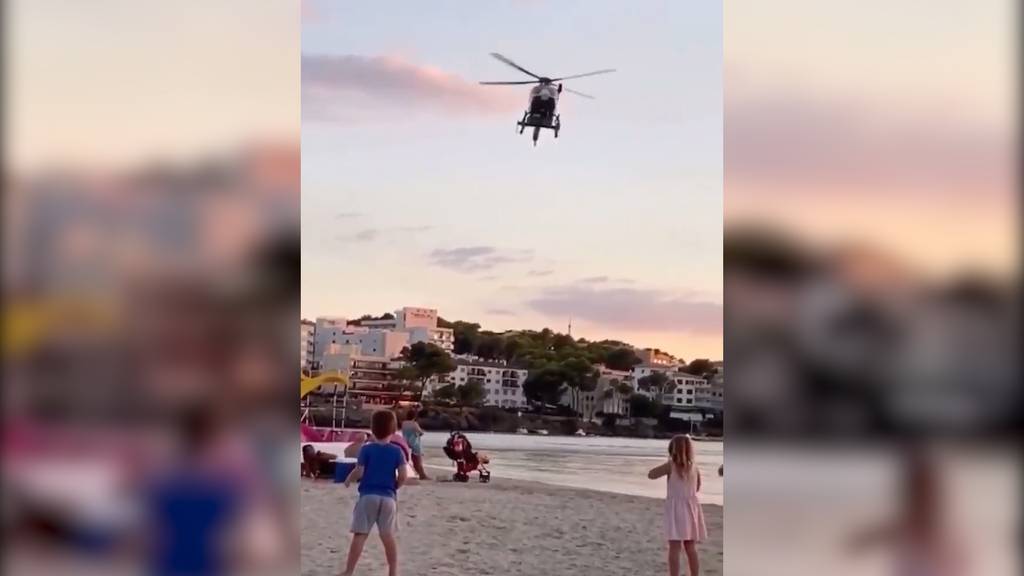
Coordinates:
<point>311,11</point>
<point>632,309</point>
<point>345,87</point>
<point>814,144</point>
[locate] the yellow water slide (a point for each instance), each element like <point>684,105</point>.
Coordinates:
<point>307,385</point>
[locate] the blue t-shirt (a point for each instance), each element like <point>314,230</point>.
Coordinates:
<point>190,515</point>
<point>380,464</point>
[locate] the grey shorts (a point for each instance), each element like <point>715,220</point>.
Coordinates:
<point>371,509</point>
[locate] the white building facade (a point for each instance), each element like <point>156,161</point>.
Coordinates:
<point>684,392</point>
<point>606,398</point>
<point>307,344</point>
<point>371,342</point>
<point>503,386</point>
<point>419,323</point>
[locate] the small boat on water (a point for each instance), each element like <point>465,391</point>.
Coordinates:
<point>542,432</point>
<point>522,431</point>
<point>580,432</point>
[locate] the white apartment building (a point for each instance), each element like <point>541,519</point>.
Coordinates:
<point>686,390</point>
<point>372,379</point>
<point>643,370</point>
<point>684,394</point>
<point>443,338</point>
<point>369,341</point>
<point>419,323</point>
<point>712,395</point>
<point>656,358</point>
<point>325,333</point>
<point>604,399</point>
<point>307,336</point>
<point>503,385</point>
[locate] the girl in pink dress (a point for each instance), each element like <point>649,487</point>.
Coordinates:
<point>684,519</point>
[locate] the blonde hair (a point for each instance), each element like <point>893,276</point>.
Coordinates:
<point>680,450</point>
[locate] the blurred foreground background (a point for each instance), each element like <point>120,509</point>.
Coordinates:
<point>871,281</point>
<point>151,180</point>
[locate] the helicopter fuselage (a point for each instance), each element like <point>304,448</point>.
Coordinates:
<point>542,106</point>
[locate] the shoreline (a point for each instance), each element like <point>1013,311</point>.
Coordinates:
<point>507,526</point>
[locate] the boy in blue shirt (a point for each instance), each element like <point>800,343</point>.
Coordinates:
<point>380,471</point>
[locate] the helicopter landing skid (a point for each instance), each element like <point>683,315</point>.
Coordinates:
<point>554,126</point>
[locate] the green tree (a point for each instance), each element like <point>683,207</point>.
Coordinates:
<point>657,382</point>
<point>471,393</point>
<point>623,359</point>
<point>581,377</point>
<point>561,341</point>
<point>490,346</point>
<point>623,388</point>
<point>427,360</point>
<point>446,393</point>
<point>511,349</point>
<point>545,385</point>
<point>700,367</point>
<point>641,406</point>
<point>408,377</point>
<point>466,335</point>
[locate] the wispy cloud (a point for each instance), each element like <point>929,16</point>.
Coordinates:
<point>500,312</point>
<point>477,258</point>
<point>373,234</point>
<point>812,142</point>
<point>342,88</point>
<point>540,273</point>
<point>630,309</point>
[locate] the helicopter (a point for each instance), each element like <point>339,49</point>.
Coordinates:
<point>543,107</point>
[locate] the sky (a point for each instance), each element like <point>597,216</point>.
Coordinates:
<point>114,84</point>
<point>417,190</point>
<point>899,132</point>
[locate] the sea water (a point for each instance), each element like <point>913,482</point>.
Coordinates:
<point>594,462</point>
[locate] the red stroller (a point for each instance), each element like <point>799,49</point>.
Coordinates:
<point>461,452</point>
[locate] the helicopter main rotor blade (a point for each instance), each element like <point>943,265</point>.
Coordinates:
<point>588,96</point>
<point>510,83</point>
<point>501,58</point>
<point>595,73</point>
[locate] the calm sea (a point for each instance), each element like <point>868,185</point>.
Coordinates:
<point>598,463</point>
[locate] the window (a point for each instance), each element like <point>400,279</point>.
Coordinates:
<point>689,400</point>
<point>679,400</point>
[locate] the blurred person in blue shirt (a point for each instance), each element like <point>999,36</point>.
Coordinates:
<point>380,471</point>
<point>194,506</point>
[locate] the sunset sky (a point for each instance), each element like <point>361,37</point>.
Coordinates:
<point>898,133</point>
<point>417,190</point>
<point>113,84</point>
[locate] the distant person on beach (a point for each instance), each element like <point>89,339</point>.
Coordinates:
<point>380,471</point>
<point>684,518</point>
<point>352,450</point>
<point>412,432</point>
<point>316,464</point>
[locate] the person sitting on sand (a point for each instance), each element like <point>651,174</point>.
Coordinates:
<point>352,450</point>
<point>380,471</point>
<point>316,464</point>
<point>412,432</point>
<point>684,518</point>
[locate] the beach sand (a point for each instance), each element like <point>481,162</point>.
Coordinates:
<point>502,528</point>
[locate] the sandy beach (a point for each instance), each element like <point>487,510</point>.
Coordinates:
<point>502,528</point>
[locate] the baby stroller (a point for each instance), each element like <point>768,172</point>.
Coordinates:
<point>461,452</point>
